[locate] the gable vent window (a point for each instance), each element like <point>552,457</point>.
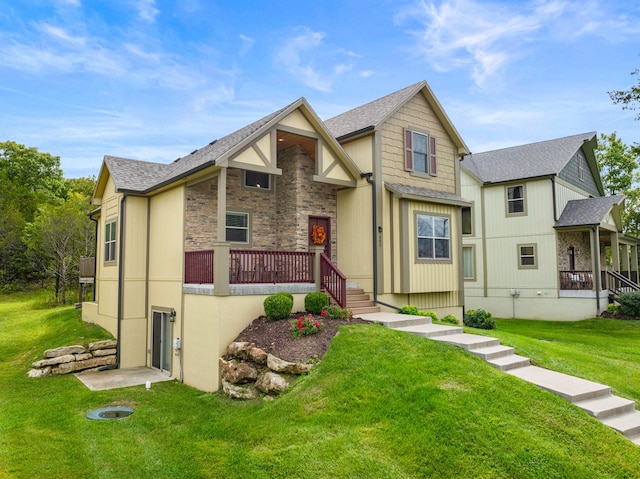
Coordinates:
<point>254,179</point>
<point>238,227</point>
<point>420,153</point>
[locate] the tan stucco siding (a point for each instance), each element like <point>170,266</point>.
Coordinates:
<point>417,114</point>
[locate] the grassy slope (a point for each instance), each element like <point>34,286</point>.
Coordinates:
<point>381,404</point>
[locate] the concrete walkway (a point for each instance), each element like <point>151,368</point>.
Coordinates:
<point>120,378</point>
<point>596,399</point>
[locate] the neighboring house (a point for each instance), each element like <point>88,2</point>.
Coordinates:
<point>188,251</point>
<point>538,233</point>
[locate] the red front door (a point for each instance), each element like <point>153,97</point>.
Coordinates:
<point>320,233</point>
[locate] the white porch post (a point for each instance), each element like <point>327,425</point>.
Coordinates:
<point>221,248</point>
<point>595,258</point>
<point>316,265</point>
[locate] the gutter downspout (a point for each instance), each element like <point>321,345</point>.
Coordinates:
<point>120,285</point>
<point>374,232</point>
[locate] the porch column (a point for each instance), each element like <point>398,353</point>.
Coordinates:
<point>634,263</point>
<point>595,258</point>
<point>615,251</point>
<point>316,265</point>
<point>625,259</point>
<point>221,249</point>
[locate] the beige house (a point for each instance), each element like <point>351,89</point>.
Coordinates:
<point>188,251</point>
<point>539,231</point>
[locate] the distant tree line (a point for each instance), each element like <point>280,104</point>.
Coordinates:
<point>44,223</point>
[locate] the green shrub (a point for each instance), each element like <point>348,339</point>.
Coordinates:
<point>336,312</point>
<point>287,294</point>
<point>630,303</point>
<point>449,319</point>
<point>314,303</point>
<point>479,318</point>
<point>409,309</point>
<point>305,326</point>
<point>428,314</point>
<point>277,306</point>
<point>613,309</point>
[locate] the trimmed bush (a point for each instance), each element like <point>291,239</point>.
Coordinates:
<point>630,303</point>
<point>449,319</point>
<point>314,303</point>
<point>479,318</point>
<point>429,314</point>
<point>409,309</point>
<point>277,306</point>
<point>287,294</point>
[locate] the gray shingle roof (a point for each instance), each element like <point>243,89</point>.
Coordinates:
<point>587,212</point>
<point>544,158</point>
<point>426,194</point>
<point>134,175</point>
<point>371,114</point>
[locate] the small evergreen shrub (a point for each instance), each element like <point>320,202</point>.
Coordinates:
<point>336,312</point>
<point>449,319</point>
<point>479,318</point>
<point>277,306</point>
<point>409,309</point>
<point>630,303</point>
<point>314,303</point>
<point>287,294</point>
<point>613,309</point>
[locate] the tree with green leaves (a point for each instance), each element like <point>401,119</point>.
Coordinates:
<point>617,164</point>
<point>629,99</point>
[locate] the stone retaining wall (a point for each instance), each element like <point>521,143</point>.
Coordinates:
<point>70,359</point>
<point>248,371</point>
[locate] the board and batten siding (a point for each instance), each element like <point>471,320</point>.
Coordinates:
<point>566,192</point>
<point>417,114</point>
<point>361,152</point>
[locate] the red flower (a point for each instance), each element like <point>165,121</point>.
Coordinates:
<point>324,313</point>
<point>317,324</point>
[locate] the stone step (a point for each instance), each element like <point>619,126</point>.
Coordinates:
<point>627,423</point>
<point>606,406</point>
<point>358,312</point>
<point>468,341</point>
<point>512,361</point>
<point>569,387</point>
<point>395,320</point>
<point>429,330</point>
<point>492,352</point>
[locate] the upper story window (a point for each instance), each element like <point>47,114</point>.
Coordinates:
<point>515,200</point>
<point>237,227</point>
<point>580,168</point>
<point>527,256</point>
<point>110,241</point>
<point>420,153</point>
<point>255,179</point>
<point>433,237</point>
<point>467,221</point>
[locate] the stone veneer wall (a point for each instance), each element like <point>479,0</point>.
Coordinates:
<point>279,217</point>
<point>581,241</point>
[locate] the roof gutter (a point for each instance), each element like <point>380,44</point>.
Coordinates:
<point>374,230</point>
<point>353,134</point>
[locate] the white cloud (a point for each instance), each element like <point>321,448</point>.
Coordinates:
<point>297,55</point>
<point>147,10</point>
<point>247,44</point>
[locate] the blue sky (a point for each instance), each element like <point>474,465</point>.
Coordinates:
<point>156,79</point>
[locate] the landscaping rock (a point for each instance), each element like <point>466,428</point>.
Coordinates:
<point>103,352</point>
<point>258,355</point>
<point>39,373</point>
<point>244,391</point>
<point>282,366</point>
<point>82,357</point>
<point>67,358</point>
<point>64,350</point>
<point>272,383</point>
<point>106,344</point>
<point>237,372</point>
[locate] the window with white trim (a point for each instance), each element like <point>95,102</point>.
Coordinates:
<point>515,200</point>
<point>468,263</point>
<point>467,221</point>
<point>237,227</point>
<point>580,168</point>
<point>434,240</point>
<point>527,256</point>
<point>110,241</point>
<point>420,153</point>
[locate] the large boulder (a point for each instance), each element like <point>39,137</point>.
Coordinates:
<point>237,372</point>
<point>282,366</point>
<point>240,391</point>
<point>63,351</point>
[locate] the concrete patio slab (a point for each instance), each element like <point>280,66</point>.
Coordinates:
<point>120,378</point>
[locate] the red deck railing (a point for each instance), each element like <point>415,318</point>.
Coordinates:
<point>582,280</point>
<point>333,281</point>
<point>251,267</point>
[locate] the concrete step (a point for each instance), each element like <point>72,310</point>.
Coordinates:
<point>627,423</point>
<point>359,304</point>
<point>635,439</point>
<point>395,320</point>
<point>569,387</point>
<point>358,312</point>
<point>351,291</point>
<point>512,361</point>
<point>357,297</point>
<point>429,330</point>
<point>468,341</point>
<point>606,406</point>
<point>492,352</point>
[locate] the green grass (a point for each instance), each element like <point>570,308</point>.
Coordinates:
<point>381,404</point>
<point>601,350</point>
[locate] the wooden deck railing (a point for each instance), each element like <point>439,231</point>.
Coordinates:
<point>251,267</point>
<point>618,283</point>
<point>333,281</point>
<point>582,280</point>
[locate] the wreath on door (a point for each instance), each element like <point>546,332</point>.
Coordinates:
<point>318,234</point>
